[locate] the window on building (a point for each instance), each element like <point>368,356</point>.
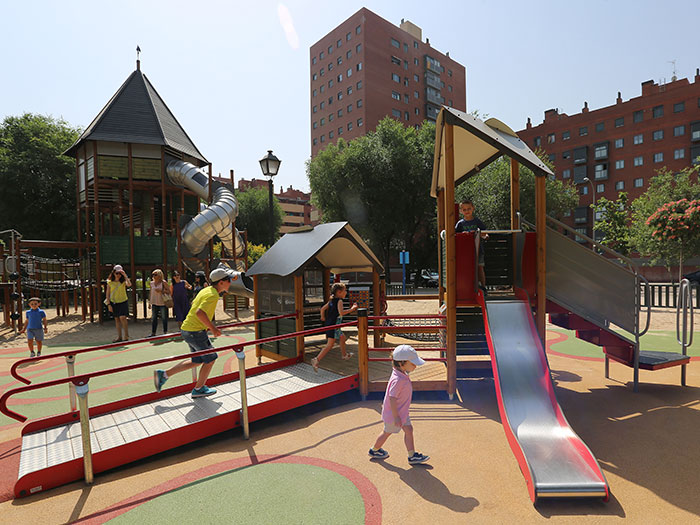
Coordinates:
<point>551,157</point>
<point>395,60</point>
<point>600,188</point>
<point>657,112</point>
<point>405,98</point>
<point>584,190</point>
<point>619,164</point>
<point>415,44</point>
<point>330,83</point>
<point>658,157</point>
<point>348,73</point>
<point>695,131</point>
<point>415,78</point>
<point>340,112</point>
<point>359,103</point>
<point>567,213</point>
<point>538,142</point>
<point>405,81</point>
<point>340,95</point>
<point>638,116</point>
<point>678,131</point>
<point>679,153</point>
<point>551,138</point>
<point>679,107</point>
<point>580,155</point>
<point>396,43</point>
<point>339,43</point>
<point>359,66</point>
<point>638,183</point>
<point>566,135</point>
<point>349,126</point>
<point>416,62</point>
<point>415,94</point>
<point>405,64</point>
<point>349,90</point>
<point>323,138</point>
<point>315,141</point>
<point>348,37</point>
<point>619,143</point>
<point>695,155</point>
<point>580,173</point>
<point>348,55</point>
<point>349,108</point>
<point>619,122</point>
<point>601,171</point>
<point>340,131</point>
<point>359,122</point>
<point>449,88</point>
<point>416,111</point>
<point>358,30</point>
<point>340,60</point>
<point>315,77</point>
<point>330,134</point>
<point>315,124</point>
<point>321,55</point>
<point>340,78</point>
<point>331,117</point>
<point>658,134</point>
<point>330,67</point>
<point>639,161</point>
<point>395,78</point>
<point>395,95</point>
<point>314,60</point>
<point>405,47</point>
<point>405,115</point>
<point>315,109</point>
<point>315,92</point>
<point>566,174</point>
<point>566,154</point>
<point>322,72</point>
<point>599,215</point>
<point>601,150</point>
<point>620,185</point>
<point>323,104</point>
<point>639,139</point>
<point>322,89</point>
<point>583,131</point>
<point>600,126</point>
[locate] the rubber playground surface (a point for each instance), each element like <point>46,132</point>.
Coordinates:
<point>310,465</point>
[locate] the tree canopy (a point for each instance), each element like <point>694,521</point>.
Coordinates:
<point>489,190</point>
<point>254,215</point>
<point>380,183</point>
<point>37,180</point>
<point>613,223</point>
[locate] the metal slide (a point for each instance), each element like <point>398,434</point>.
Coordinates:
<point>553,459</point>
<point>214,219</point>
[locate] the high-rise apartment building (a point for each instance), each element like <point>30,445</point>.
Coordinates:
<point>368,68</point>
<point>620,147</point>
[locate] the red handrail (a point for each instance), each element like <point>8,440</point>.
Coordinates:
<point>443,359</point>
<point>422,328</point>
<point>418,349</point>
<point>421,316</point>
<point>16,364</point>
<point>84,378</point>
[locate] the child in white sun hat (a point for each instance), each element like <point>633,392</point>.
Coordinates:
<point>397,402</point>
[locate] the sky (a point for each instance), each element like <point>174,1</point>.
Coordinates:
<point>236,73</point>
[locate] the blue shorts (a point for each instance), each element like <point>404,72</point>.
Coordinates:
<point>198,341</point>
<point>335,333</point>
<point>35,333</point>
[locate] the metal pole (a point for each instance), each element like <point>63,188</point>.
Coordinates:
<point>70,364</point>
<point>244,394</point>
<point>82,391</point>
<point>272,226</point>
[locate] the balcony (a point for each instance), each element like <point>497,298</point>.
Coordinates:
<point>434,98</point>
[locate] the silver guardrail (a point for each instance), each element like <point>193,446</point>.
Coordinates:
<point>684,307</point>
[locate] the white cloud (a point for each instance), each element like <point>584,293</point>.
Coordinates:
<point>288,25</point>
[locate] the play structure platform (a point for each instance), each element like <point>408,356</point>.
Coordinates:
<point>131,429</point>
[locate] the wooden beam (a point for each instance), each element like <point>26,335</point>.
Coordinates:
<point>98,224</point>
<point>451,261</point>
<point>132,253</point>
<point>441,227</point>
<point>514,193</point>
<point>299,304</point>
<point>362,351</point>
<point>541,244</point>
<point>376,300</point>
<point>163,217</point>
<point>256,315</point>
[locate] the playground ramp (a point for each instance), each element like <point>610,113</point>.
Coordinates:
<point>553,459</point>
<point>131,429</point>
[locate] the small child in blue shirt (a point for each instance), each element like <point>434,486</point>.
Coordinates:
<point>36,317</point>
<point>470,223</point>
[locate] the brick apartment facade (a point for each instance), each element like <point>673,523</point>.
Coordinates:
<point>620,147</point>
<point>296,205</point>
<point>368,68</point>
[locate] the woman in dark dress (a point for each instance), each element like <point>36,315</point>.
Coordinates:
<point>181,302</point>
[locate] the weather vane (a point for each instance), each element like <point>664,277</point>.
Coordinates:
<point>138,52</point>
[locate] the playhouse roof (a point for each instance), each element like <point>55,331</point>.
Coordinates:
<point>476,145</point>
<point>137,114</point>
<point>335,245</point>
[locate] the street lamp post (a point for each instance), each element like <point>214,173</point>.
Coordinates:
<point>270,165</point>
<point>586,179</point>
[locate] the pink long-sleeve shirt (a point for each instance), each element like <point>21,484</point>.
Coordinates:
<point>401,388</point>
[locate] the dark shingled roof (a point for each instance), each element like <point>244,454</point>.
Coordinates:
<point>137,114</point>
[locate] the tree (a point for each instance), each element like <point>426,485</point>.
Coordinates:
<point>664,188</point>
<point>489,190</point>
<point>380,183</point>
<point>37,180</point>
<point>614,223</point>
<point>677,226</point>
<point>254,215</point>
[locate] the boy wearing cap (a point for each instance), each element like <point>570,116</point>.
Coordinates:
<point>397,402</point>
<point>194,333</point>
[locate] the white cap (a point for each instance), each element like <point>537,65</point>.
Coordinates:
<point>217,274</point>
<point>118,268</point>
<point>407,353</point>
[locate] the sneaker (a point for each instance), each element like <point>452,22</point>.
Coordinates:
<point>417,458</point>
<point>203,392</point>
<point>38,354</point>
<point>32,354</point>
<point>378,454</point>
<point>314,363</point>
<point>159,379</point>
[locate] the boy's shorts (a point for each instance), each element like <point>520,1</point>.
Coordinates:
<point>199,341</point>
<point>335,333</point>
<point>35,333</point>
<point>390,428</point>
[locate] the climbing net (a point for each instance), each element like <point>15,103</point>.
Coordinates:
<point>54,275</point>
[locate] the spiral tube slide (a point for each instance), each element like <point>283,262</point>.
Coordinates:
<point>214,219</point>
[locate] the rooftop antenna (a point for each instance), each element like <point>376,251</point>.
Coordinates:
<point>674,77</point>
<point>138,54</point>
